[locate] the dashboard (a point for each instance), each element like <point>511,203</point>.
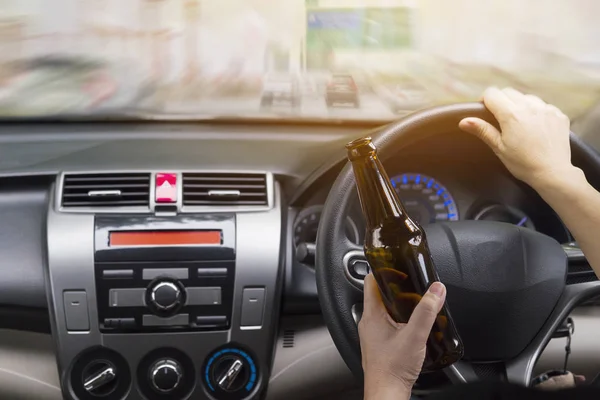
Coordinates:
<point>170,261</point>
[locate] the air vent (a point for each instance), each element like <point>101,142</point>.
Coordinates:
<point>579,269</point>
<point>106,190</point>
<point>580,273</point>
<point>288,338</point>
<point>223,189</point>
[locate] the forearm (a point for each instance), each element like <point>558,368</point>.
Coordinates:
<point>386,393</point>
<point>578,204</point>
<point>385,388</point>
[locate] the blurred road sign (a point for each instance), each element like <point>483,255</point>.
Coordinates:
<point>335,19</point>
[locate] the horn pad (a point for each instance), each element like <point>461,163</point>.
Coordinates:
<point>503,282</point>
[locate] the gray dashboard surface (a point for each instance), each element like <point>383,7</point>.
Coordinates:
<point>22,245</point>
<point>290,151</point>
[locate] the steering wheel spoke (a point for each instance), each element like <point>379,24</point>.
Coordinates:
<point>461,372</point>
<point>468,372</point>
<point>356,266</point>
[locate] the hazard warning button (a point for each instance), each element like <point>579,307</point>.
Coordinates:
<point>166,188</point>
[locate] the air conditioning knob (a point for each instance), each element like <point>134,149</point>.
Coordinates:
<point>230,375</point>
<point>165,296</point>
<point>165,375</point>
<point>100,378</point>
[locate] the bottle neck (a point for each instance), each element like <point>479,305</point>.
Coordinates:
<point>378,199</point>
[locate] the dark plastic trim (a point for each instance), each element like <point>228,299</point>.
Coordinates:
<point>25,319</point>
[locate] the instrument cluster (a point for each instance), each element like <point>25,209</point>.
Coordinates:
<point>438,196</point>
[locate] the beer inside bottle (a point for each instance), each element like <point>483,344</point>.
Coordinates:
<point>397,251</point>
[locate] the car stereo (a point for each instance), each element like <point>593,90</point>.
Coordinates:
<point>151,275</point>
<point>153,303</point>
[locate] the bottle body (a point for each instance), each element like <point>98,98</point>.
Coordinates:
<point>397,251</point>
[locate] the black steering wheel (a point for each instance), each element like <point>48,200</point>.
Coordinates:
<point>506,285</point>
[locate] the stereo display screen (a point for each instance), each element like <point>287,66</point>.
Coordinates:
<point>165,238</point>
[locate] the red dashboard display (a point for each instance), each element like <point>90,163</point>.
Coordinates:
<point>164,238</point>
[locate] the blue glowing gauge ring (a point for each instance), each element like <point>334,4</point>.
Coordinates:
<point>426,200</point>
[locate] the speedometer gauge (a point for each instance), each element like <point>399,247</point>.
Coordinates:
<point>426,200</point>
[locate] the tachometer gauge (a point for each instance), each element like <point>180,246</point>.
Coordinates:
<point>504,213</point>
<point>426,200</point>
<point>305,233</point>
<point>307,223</point>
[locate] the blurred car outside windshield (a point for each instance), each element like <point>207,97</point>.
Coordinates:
<point>300,59</point>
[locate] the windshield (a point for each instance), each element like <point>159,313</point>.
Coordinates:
<point>352,59</point>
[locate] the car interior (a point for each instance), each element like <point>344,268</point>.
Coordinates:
<point>76,299</point>
<point>174,225</point>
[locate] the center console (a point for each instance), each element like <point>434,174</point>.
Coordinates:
<point>164,300</point>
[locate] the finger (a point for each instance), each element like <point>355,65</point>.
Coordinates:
<point>535,101</point>
<point>557,111</point>
<point>483,130</point>
<point>558,382</point>
<point>422,319</point>
<point>373,304</point>
<point>550,384</point>
<point>497,102</point>
<point>579,379</point>
<point>514,95</point>
<point>564,381</point>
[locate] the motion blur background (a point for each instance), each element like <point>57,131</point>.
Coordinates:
<point>341,59</point>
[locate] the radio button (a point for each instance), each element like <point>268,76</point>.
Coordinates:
<point>117,274</point>
<point>76,310</point>
<point>127,323</point>
<point>203,296</point>
<point>212,272</point>
<point>253,303</point>
<point>133,297</point>
<point>177,273</point>
<point>119,323</point>
<point>176,320</point>
<point>211,321</point>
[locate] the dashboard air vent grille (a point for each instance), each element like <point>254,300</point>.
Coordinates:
<point>218,189</point>
<point>580,273</point>
<point>288,338</point>
<point>106,190</point>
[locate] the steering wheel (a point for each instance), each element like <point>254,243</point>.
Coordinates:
<point>506,285</point>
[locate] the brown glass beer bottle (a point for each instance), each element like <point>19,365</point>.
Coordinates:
<point>396,249</point>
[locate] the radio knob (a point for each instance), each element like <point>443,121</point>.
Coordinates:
<point>165,296</point>
<point>165,375</point>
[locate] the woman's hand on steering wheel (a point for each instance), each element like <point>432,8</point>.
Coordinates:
<point>393,353</point>
<point>533,143</point>
<point>533,140</point>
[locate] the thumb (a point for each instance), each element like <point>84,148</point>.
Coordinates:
<point>425,313</point>
<point>483,130</point>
